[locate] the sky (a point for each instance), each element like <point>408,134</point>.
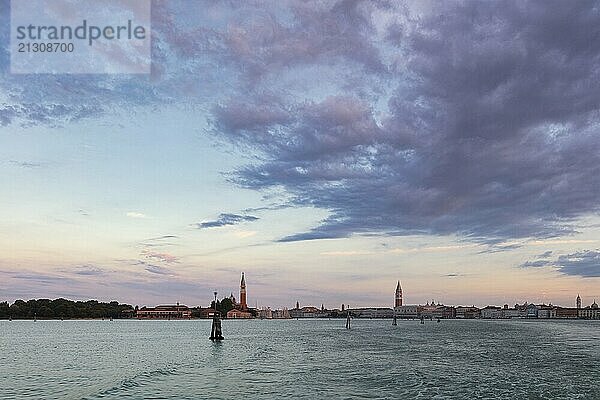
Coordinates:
<point>327,149</point>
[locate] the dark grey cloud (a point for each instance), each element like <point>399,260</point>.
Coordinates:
<point>88,270</point>
<point>225,219</point>
<point>159,241</point>
<point>585,263</point>
<point>40,277</point>
<point>163,237</point>
<point>150,267</point>
<point>488,129</point>
<point>476,119</point>
<point>156,269</point>
<point>537,264</point>
<point>454,275</point>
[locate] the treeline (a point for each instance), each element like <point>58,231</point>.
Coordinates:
<point>61,308</point>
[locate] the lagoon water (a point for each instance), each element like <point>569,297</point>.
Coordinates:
<point>300,359</point>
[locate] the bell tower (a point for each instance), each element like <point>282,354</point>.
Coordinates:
<point>398,297</point>
<point>578,302</point>
<point>243,304</point>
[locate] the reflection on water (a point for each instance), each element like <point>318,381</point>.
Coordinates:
<point>299,359</point>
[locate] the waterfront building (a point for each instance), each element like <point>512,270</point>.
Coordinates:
<point>238,314</point>
<point>590,312</point>
<point>165,312</point>
<point>207,312</point>
<point>444,312</point>
<point>428,310</point>
<point>465,312</point>
<point>265,313</point>
<point>566,312</point>
<point>398,296</point>
<point>281,314</point>
<point>407,312</point>
<point>491,312</point>
<point>307,312</point>
<point>531,311</point>
<point>546,311</point>
<point>371,312</point>
<point>522,309</point>
<point>510,312</point>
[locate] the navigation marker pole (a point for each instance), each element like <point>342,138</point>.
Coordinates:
<point>216,333</point>
<point>348,320</point>
<point>394,322</point>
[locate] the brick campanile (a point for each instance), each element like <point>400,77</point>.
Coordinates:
<point>398,297</point>
<point>243,304</point>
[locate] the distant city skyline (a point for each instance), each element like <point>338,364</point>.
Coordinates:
<point>326,149</point>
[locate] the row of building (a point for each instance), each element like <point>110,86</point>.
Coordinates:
<point>431,310</point>
<point>544,311</point>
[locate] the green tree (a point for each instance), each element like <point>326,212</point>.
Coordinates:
<point>226,305</point>
<point>62,308</point>
<point>4,310</point>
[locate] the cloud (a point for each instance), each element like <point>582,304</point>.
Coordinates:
<point>545,254</point>
<point>487,129</point>
<point>159,241</point>
<point>88,270</point>
<point>560,241</point>
<point>26,164</point>
<point>133,214</point>
<point>164,257</point>
<point>433,249</point>
<point>474,119</point>
<point>155,269</point>
<point>40,277</point>
<point>584,263</point>
<point>149,266</point>
<point>225,219</point>
<point>163,237</point>
<point>454,275</point>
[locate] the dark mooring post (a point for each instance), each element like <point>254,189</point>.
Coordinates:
<point>348,320</point>
<point>394,322</point>
<point>216,333</point>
